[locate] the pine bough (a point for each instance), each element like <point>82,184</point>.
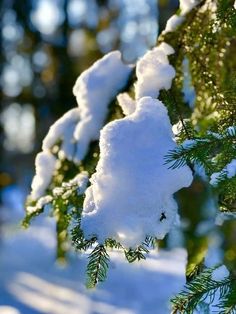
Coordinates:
<point>109,168</point>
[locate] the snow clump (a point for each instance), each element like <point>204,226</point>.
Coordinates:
<point>45,164</point>
<point>131,192</point>
<point>154,72</point>
<point>228,171</point>
<point>94,90</point>
<point>220,273</point>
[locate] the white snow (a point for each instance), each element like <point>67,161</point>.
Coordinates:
<point>80,180</point>
<point>188,143</point>
<point>62,130</point>
<point>173,23</point>
<point>42,201</point>
<point>235,4</point>
<point>94,90</point>
<point>132,189</point>
<point>187,5</point>
<point>31,283</point>
<point>78,183</point>
<point>231,130</point>
<point>154,72</point>
<point>127,104</point>
<point>166,48</point>
<point>224,216</point>
<point>229,171</point>
<point>177,128</point>
<point>45,166</point>
<point>220,273</point>
<point>176,20</point>
<point>8,310</point>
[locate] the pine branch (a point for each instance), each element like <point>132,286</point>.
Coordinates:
<point>196,151</point>
<point>227,304</point>
<point>139,253</point>
<point>201,150</point>
<point>78,240</point>
<point>136,254</point>
<point>97,266</point>
<point>113,244</point>
<point>197,290</point>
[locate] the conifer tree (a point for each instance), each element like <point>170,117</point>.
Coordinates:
<point>114,189</point>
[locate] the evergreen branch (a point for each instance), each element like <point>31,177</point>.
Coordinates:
<point>196,151</point>
<point>228,302</point>
<point>136,254</point>
<point>97,266</point>
<point>173,103</point>
<point>29,216</point>
<point>78,240</point>
<point>150,242</point>
<point>77,236</point>
<point>197,290</point>
<point>139,253</point>
<point>202,150</point>
<point>113,244</point>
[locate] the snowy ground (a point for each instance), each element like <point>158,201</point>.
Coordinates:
<point>31,283</point>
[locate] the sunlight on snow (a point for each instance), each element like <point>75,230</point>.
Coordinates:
<point>33,283</point>
<point>51,298</point>
<point>8,310</point>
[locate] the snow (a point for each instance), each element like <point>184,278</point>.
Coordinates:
<point>215,134</point>
<point>173,23</point>
<point>229,171</point>
<point>154,72</point>
<point>231,130</point>
<point>80,180</point>
<point>31,283</point>
<point>42,201</point>
<point>126,103</point>
<point>187,144</point>
<point>235,4</point>
<point>62,130</point>
<point>132,188</point>
<point>94,90</point>
<point>224,216</point>
<point>177,128</point>
<point>187,5</point>
<point>45,164</point>
<point>176,20</point>
<point>220,273</point>
<point>166,48</point>
<point>8,310</point>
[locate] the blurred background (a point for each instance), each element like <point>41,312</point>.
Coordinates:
<point>44,46</point>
